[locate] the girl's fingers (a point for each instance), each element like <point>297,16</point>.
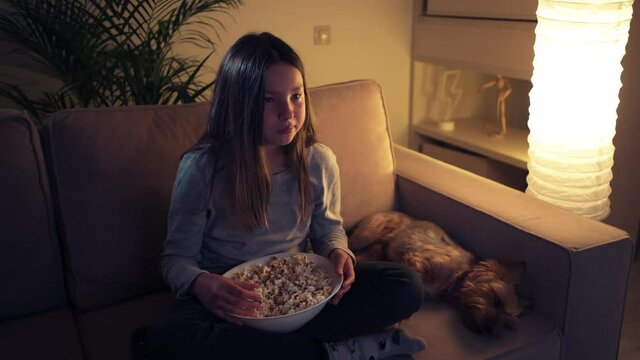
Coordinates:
<point>235,302</point>
<point>239,301</point>
<point>223,297</point>
<point>349,273</point>
<point>248,291</point>
<point>340,267</point>
<point>225,309</point>
<point>247,285</point>
<point>240,311</point>
<point>338,296</point>
<point>344,266</point>
<point>343,290</point>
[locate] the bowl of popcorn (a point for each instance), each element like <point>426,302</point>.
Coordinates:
<point>294,287</point>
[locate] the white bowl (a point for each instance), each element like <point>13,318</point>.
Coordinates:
<point>290,322</point>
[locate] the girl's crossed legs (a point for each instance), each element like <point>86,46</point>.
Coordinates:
<point>383,294</point>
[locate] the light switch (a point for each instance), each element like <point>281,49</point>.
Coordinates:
<point>322,35</point>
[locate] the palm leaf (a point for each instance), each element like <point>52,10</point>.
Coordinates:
<point>20,98</point>
<point>112,52</point>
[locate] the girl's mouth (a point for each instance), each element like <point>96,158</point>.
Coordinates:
<point>286,130</point>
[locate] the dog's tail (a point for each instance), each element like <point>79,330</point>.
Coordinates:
<point>379,227</point>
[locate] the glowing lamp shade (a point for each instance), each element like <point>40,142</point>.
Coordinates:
<point>573,102</point>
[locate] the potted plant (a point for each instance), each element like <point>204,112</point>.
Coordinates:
<point>111,52</point>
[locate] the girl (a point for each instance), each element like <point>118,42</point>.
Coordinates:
<point>258,183</point>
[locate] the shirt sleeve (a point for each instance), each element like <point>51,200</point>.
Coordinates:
<point>179,262</point>
<point>326,231</point>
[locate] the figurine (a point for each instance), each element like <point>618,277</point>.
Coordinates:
<point>504,90</point>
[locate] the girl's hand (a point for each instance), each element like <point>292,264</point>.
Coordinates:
<point>344,266</point>
<point>223,296</point>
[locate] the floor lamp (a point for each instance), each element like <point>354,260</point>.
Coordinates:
<point>573,102</point>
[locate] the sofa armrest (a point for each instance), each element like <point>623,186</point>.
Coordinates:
<point>577,268</point>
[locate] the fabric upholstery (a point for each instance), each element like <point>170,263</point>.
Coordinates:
<point>49,335</point>
<point>31,277</point>
<point>114,170</point>
<point>446,337</point>
<point>106,333</point>
<point>35,319</point>
<point>360,138</point>
<point>576,267</point>
<point>507,205</point>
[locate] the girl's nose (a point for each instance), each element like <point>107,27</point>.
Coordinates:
<point>286,110</point>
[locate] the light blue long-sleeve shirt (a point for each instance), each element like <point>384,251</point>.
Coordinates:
<point>204,234</point>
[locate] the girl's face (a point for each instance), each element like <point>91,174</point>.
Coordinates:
<point>284,105</point>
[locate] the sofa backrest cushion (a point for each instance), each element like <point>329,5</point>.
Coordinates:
<point>351,119</point>
<point>31,275</point>
<point>113,169</point>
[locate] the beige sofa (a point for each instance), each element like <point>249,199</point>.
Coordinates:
<point>84,203</point>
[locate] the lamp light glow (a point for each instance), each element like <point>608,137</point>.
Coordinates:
<point>573,102</point>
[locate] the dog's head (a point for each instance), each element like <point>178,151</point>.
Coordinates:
<point>487,297</point>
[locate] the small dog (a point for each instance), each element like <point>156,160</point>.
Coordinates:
<point>483,291</point>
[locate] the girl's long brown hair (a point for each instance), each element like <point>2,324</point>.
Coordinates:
<point>235,128</point>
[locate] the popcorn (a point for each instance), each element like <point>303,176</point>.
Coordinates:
<point>287,285</point>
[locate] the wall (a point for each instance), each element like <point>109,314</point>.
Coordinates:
<point>370,39</point>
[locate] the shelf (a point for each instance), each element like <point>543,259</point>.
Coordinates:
<point>494,9</point>
<point>489,46</point>
<point>470,134</point>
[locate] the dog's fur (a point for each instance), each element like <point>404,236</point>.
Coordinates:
<point>484,291</point>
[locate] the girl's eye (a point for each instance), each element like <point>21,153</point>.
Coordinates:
<point>296,96</point>
<point>268,99</point>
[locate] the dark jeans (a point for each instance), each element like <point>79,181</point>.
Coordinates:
<point>383,294</point>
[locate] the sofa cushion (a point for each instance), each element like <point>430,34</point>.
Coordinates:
<point>49,335</point>
<point>113,170</point>
<point>360,137</point>
<point>441,327</point>
<point>107,333</point>
<point>31,276</point>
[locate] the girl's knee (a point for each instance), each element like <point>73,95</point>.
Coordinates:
<point>413,289</point>
<point>405,285</point>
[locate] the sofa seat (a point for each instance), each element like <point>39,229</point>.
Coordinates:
<point>50,334</point>
<point>106,333</point>
<point>440,325</point>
